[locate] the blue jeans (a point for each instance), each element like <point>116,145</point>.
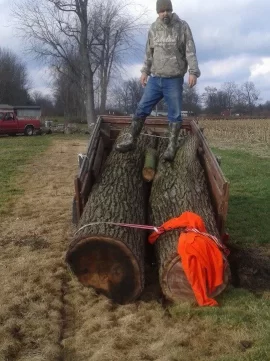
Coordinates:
<point>157,88</point>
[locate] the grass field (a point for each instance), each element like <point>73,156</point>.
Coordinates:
<point>46,315</point>
<point>244,147</point>
<point>15,153</point>
<point>249,196</point>
<point>249,135</point>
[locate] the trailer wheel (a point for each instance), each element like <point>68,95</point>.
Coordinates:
<point>29,130</point>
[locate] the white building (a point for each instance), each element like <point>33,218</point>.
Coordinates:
<point>184,113</point>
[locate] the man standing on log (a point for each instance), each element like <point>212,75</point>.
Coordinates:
<point>170,51</point>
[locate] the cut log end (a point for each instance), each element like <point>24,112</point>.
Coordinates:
<point>176,287</point>
<point>108,266</point>
<point>149,169</point>
<point>148,174</point>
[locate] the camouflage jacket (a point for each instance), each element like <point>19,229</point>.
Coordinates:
<point>170,49</point>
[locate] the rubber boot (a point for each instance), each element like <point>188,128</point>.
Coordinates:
<point>174,129</point>
<point>128,143</point>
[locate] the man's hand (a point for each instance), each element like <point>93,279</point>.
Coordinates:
<point>143,79</point>
<point>192,80</point>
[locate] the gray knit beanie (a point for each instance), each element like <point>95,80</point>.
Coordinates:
<point>164,5</point>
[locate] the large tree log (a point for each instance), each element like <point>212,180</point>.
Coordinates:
<point>178,187</point>
<point>106,257</point>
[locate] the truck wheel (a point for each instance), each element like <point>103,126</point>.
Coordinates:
<point>29,130</point>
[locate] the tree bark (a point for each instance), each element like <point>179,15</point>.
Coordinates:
<point>86,70</point>
<point>90,101</point>
<point>106,257</point>
<point>178,187</point>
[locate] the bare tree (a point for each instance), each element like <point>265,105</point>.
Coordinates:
<point>250,95</point>
<point>191,99</point>
<point>135,92</point>
<point>127,95</point>
<point>230,89</point>
<point>44,101</point>
<point>266,106</point>
<point>209,98</point>
<point>115,29</point>
<point>119,98</point>
<point>68,97</point>
<point>215,100</point>
<point>14,80</point>
<point>239,106</point>
<point>68,91</point>
<point>95,30</point>
<point>54,29</point>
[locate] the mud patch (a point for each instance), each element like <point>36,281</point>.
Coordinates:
<point>35,243</point>
<point>250,268</point>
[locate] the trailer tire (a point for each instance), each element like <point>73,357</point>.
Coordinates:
<point>29,130</point>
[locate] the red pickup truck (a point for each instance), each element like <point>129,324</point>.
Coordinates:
<point>10,124</point>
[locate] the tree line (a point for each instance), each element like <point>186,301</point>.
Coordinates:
<point>229,99</point>
<point>121,96</point>
<point>14,79</point>
<point>15,84</point>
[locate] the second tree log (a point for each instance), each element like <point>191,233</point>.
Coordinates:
<point>178,187</point>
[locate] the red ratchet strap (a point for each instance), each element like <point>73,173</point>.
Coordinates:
<point>139,226</point>
<point>158,230</point>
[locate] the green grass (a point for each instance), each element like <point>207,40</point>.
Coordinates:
<point>15,152</point>
<point>242,317</point>
<point>249,202</point>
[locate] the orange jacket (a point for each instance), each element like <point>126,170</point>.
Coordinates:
<point>200,253</point>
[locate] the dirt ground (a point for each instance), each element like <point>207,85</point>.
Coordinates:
<point>46,315</point>
<point>32,272</point>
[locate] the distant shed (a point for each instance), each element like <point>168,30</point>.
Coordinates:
<point>6,108</point>
<point>28,111</point>
<point>23,111</point>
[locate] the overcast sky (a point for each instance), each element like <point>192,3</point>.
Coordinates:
<point>232,39</point>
